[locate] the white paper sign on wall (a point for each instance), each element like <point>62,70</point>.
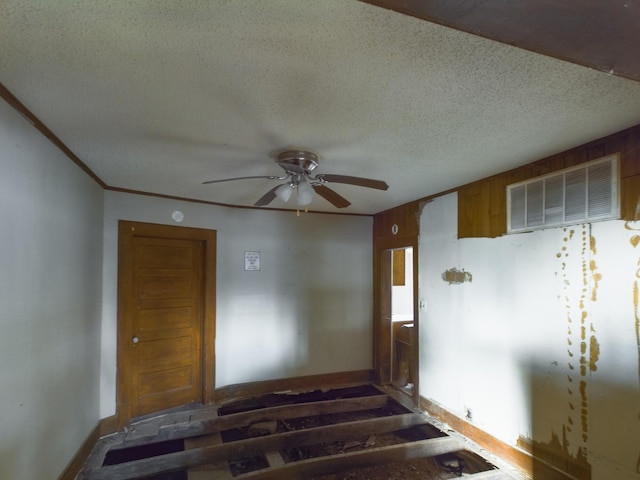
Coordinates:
<point>251,261</point>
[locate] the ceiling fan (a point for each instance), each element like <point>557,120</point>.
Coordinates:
<point>298,166</point>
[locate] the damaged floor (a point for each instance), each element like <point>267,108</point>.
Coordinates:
<point>353,433</point>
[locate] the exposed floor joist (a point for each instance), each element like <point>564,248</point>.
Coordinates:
<point>296,438</point>
<point>374,456</point>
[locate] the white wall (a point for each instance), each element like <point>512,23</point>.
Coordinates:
<point>307,311</point>
<point>544,339</point>
<point>50,294</point>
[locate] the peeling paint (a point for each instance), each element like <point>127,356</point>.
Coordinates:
<point>635,240</point>
<point>637,322</point>
<point>596,278</point>
<point>584,410</point>
<point>455,276</point>
<point>584,349</point>
<point>594,353</point>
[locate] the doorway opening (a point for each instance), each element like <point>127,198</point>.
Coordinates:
<point>402,320</point>
<point>397,324</point>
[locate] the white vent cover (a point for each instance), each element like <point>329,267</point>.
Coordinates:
<point>582,194</point>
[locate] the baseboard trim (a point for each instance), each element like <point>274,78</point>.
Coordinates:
<point>81,456</point>
<point>519,458</point>
<point>304,383</point>
<point>108,425</point>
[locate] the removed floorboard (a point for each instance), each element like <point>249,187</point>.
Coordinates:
<point>295,436</point>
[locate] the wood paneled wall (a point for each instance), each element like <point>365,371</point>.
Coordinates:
<point>404,216</point>
<point>395,228</point>
<point>482,207</point>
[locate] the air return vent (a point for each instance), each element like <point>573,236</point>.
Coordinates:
<point>586,193</point>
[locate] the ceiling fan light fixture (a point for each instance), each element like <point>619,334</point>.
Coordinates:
<point>298,166</point>
<point>284,192</point>
<point>305,193</point>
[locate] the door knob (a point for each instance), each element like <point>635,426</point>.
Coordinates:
<point>135,340</point>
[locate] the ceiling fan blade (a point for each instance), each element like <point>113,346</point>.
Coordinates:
<point>359,181</point>
<point>271,177</point>
<point>268,197</point>
<point>332,197</point>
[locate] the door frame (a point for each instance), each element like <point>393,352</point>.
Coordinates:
<point>383,348</point>
<point>127,230</point>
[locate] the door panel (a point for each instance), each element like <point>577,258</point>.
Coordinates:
<point>165,318</point>
<point>167,276</point>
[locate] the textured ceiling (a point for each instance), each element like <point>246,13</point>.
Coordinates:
<point>160,96</point>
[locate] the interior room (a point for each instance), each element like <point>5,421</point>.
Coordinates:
<point>363,193</point>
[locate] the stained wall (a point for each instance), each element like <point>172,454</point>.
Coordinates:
<point>539,345</point>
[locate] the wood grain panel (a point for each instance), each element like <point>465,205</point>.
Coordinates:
<point>151,319</point>
<point>482,204</point>
<point>406,217</point>
<point>164,287</point>
<point>166,318</point>
<point>631,201</point>
<point>165,349</point>
<point>172,255</point>
<point>166,271</point>
<point>399,269</point>
<point>597,34</point>
<point>165,380</point>
<point>304,383</point>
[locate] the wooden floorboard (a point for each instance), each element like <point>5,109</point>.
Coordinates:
<point>215,471</point>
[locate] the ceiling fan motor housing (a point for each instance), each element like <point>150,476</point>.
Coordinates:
<point>301,162</point>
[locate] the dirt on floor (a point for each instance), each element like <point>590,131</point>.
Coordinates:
<point>443,467</point>
<point>423,469</point>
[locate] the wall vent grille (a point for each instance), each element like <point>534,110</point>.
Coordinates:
<point>582,194</point>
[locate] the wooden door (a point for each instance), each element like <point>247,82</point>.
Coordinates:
<point>164,329</point>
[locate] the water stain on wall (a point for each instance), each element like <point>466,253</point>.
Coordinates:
<point>556,452</point>
<point>583,346</point>
<point>635,241</point>
<point>596,276</point>
<point>455,276</point>
<point>594,353</point>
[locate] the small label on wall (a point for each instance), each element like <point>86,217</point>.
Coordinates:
<point>252,261</point>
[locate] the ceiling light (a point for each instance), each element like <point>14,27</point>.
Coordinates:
<point>305,193</point>
<point>284,192</point>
